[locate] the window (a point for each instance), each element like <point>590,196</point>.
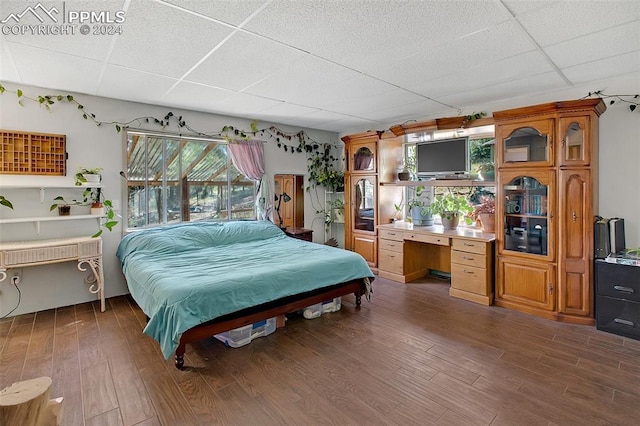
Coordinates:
<point>173,179</point>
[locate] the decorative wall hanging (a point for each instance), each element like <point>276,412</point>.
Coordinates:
<point>28,153</point>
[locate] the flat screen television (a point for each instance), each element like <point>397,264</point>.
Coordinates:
<point>443,157</point>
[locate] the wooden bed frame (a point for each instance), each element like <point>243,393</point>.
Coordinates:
<point>268,310</point>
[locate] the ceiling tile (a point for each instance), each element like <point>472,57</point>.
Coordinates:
<point>520,88</point>
<point>487,74</point>
<point>285,111</point>
<point>248,106</point>
<point>242,61</point>
<point>133,85</point>
<point>603,44</point>
<point>486,46</point>
<point>348,32</point>
<point>53,70</point>
<point>230,11</point>
<point>164,40</point>
<point>196,96</point>
<point>292,84</point>
<point>8,70</point>
<point>373,101</point>
<point>519,7</point>
<point>569,19</point>
<point>348,123</point>
<point>609,67</point>
<point>401,113</point>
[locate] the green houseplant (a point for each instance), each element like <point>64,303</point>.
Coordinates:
<point>486,213</point>
<point>86,176</point>
<point>94,198</point>
<point>421,212</point>
<point>450,207</point>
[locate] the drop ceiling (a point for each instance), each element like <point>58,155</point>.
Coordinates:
<point>336,65</point>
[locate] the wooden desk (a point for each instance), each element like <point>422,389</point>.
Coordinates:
<point>87,250</point>
<point>407,252</point>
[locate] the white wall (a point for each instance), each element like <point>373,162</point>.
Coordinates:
<point>619,178</point>
<point>50,286</point>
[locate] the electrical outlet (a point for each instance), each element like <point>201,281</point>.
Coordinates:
<point>16,273</point>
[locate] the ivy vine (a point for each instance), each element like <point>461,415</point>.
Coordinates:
<point>632,100</point>
<point>321,161</point>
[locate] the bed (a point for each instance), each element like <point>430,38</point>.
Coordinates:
<point>194,280</point>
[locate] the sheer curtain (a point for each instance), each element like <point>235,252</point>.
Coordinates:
<point>248,157</point>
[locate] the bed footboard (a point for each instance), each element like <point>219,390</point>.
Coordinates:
<point>268,310</point>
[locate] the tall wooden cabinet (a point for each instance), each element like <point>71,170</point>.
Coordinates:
<point>370,158</point>
<point>292,211</point>
<point>546,158</point>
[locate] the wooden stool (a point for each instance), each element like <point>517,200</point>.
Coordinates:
<point>27,403</point>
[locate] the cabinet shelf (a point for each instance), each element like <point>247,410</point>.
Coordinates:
<point>525,215</point>
<point>439,182</point>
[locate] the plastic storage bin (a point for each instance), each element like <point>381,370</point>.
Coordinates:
<point>314,311</point>
<point>244,335</point>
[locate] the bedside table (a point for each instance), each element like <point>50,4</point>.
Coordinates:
<point>300,233</point>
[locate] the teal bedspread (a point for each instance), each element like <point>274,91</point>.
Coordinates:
<point>187,274</point>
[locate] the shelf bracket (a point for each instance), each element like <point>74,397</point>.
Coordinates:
<point>41,195</point>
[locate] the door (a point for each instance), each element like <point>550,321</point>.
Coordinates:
<point>526,283</point>
<point>525,144</point>
<point>574,148</point>
<point>363,157</point>
<point>289,200</point>
<point>575,255</point>
<point>525,222</point>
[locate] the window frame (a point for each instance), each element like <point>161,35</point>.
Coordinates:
<point>164,182</point>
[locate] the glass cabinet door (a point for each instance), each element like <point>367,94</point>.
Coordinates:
<point>363,159</point>
<point>364,201</point>
<point>526,212</point>
<point>573,141</point>
<point>527,144</point>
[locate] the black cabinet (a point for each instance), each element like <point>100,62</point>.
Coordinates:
<point>618,299</point>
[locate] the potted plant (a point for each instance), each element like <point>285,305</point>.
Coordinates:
<point>408,167</point>
<point>64,208</point>
<point>100,206</point>
<point>451,207</point>
<point>421,213</point>
<point>86,176</point>
<point>337,210</point>
<point>486,213</point>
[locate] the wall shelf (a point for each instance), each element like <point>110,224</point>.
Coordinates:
<point>43,188</point>
<point>37,220</point>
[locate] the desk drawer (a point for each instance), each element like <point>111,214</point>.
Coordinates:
<point>391,245</point>
<point>469,278</point>
<point>426,238</point>
<point>470,246</point>
<point>469,259</point>
<point>621,317</point>
<point>619,281</point>
<point>389,234</point>
<point>390,261</point>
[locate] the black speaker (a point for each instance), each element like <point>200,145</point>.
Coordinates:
<point>602,242</point>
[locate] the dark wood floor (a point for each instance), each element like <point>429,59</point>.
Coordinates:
<point>413,355</point>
